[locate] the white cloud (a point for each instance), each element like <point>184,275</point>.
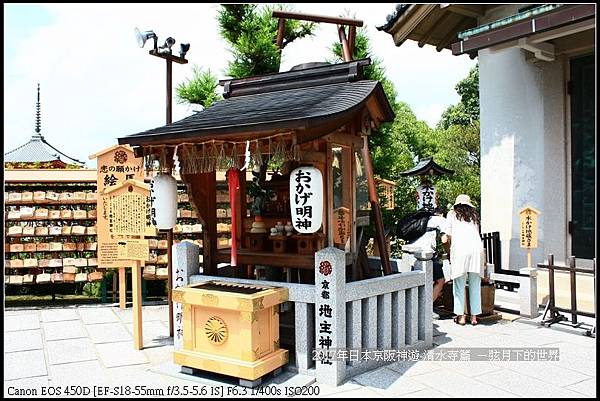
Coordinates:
<point>430,113</point>
<point>98,85</point>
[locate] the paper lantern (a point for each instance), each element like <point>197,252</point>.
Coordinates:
<point>306,199</point>
<point>163,189</point>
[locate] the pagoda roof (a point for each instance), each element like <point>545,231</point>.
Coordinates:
<point>426,166</point>
<point>37,149</point>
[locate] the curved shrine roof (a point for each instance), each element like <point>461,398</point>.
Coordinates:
<point>314,99</point>
<point>426,166</point>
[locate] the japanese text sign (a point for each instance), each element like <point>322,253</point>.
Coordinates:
<point>426,196</point>
<point>132,249</point>
<point>129,209</point>
<point>529,227</point>
<point>330,313</point>
<point>115,165</point>
<point>341,228</point>
<point>306,199</point>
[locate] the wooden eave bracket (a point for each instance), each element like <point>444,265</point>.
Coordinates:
<point>542,51</point>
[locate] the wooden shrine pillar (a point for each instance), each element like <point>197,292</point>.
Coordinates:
<point>374,201</point>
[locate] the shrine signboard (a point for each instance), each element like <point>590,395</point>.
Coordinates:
<point>529,227</point>
<point>342,225</point>
<point>115,165</point>
<point>127,209</point>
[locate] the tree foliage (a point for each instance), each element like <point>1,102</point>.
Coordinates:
<point>397,146</point>
<point>200,89</point>
<point>466,111</point>
<point>251,32</point>
<point>456,143</point>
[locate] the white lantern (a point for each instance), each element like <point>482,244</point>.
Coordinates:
<point>163,192</point>
<point>306,199</point>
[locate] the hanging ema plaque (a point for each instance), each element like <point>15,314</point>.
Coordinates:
<point>306,199</point>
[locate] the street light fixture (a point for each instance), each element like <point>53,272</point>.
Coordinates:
<point>166,48</point>
<point>183,49</point>
<point>142,37</point>
<point>165,52</point>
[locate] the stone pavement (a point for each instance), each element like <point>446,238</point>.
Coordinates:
<point>93,346</point>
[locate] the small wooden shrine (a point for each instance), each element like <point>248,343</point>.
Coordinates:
<point>317,115</point>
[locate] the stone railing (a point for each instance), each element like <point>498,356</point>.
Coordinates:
<point>336,320</point>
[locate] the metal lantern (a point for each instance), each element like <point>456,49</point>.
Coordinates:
<point>164,201</point>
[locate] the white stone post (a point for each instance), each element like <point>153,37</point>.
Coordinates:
<point>330,315</point>
<point>528,293</point>
<point>425,328</point>
<point>185,263</point>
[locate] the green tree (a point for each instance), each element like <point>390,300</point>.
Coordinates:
<point>394,145</point>
<point>200,89</point>
<point>457,148</point>
<point>467,110</point>
<point>251,32</point>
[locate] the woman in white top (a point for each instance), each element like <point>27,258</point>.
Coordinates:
<point>465,257</point>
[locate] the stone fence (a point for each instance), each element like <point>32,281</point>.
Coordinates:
<point>336,323</point>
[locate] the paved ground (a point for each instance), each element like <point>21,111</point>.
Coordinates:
<point>92,346</point>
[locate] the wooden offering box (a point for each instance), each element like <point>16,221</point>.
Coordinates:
<point>231,329</point>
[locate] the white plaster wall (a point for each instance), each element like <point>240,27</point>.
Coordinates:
<point>555,160</point>
<point>497,13</point>
<point>522,151</point>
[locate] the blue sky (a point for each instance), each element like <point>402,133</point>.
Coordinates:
<point>20,22</point>
<point>97,84</point>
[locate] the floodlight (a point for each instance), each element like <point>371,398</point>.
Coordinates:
<point>142,37</point>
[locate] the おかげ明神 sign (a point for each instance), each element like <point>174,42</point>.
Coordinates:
<point>306,199</point>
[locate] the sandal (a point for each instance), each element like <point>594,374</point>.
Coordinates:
<point>458,321</point>
<point>474,321</point>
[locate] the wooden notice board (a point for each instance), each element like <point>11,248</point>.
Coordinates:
<point>115,165</point>
<point>529,227</point>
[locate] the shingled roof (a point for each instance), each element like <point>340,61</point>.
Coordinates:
<point>426,166</point>
<point>38,149</point>
<point>315,99</point>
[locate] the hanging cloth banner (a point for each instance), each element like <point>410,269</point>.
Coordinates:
<point>233,180</point>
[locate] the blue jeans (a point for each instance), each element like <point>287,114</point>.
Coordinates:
<point>458,289</point>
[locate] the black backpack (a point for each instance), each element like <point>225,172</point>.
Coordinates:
<point>413,226</point>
